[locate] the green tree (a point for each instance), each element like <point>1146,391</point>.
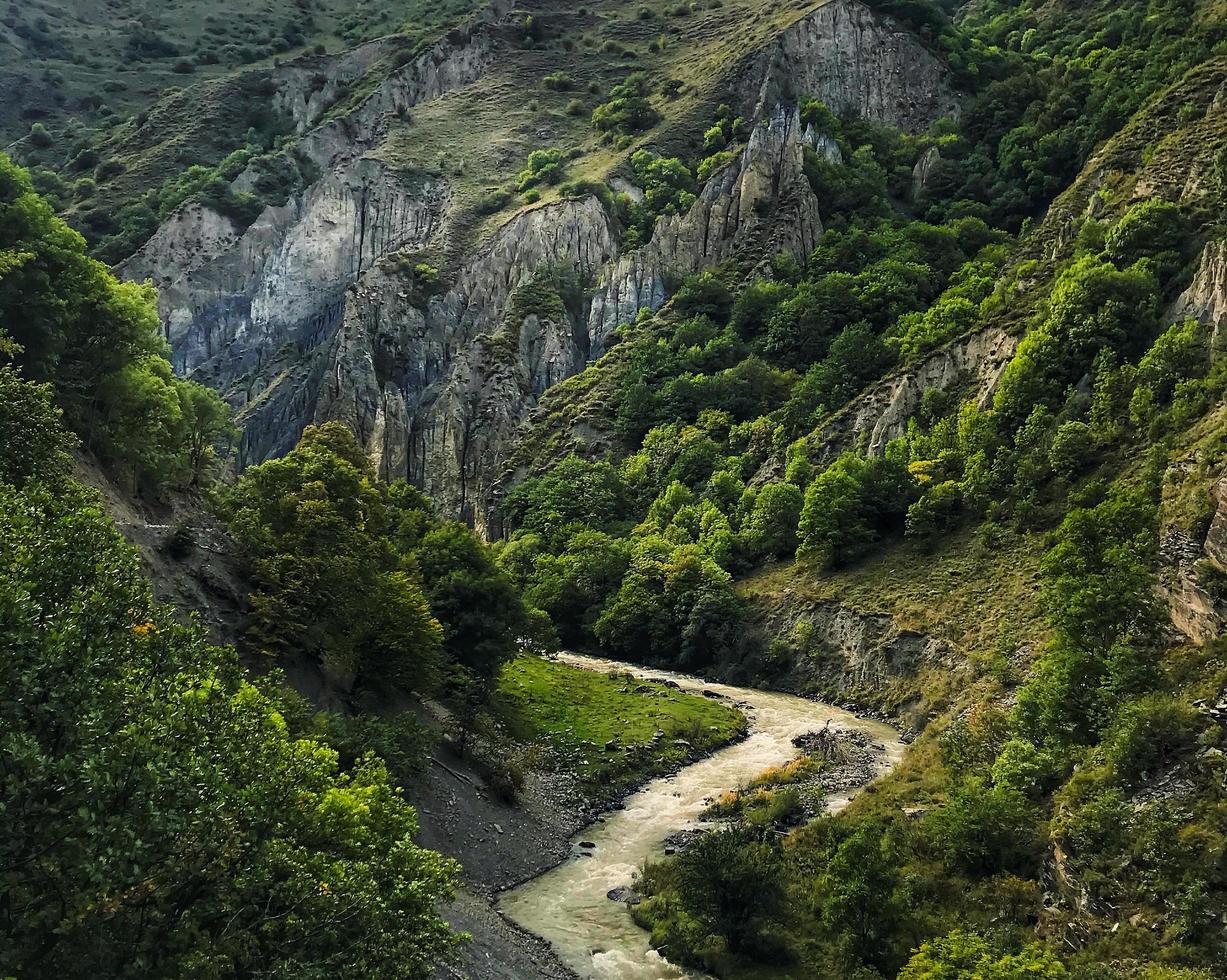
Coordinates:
<point>1093,307</point>
<point>853,503</point>
<point>675,603</point>
<point>33,443</point>
<point>965,956</point>
<point>729,881</point>
<point>98,341</point>
<point>206,421</point>
<point>160,818</point>
<point>483,616</point>
<point>331,587</point>
<point>857,900</point>
<point>985,829</point>
<point>771,530</point>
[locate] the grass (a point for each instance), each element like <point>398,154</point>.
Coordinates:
<point>574,713</point>
<point>977,594</point>
<point>82,51</point>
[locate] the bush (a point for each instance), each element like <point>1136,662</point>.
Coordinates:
<point>544,167</point>
<point>851,505</point>
<point>985,829</point>
<point>291,865</point>
<point>1151,229</point>
<point>730,883</point>
<point>936,512</point>
<point>558,81</point>
<point>39,137</point>
<point>1146,734</point>
<point>628,110</point>
<point>1072,449</point>
<point>771,529</point>
<point>962,954</point>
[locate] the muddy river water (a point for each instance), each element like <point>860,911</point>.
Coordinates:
<point>568,906</point>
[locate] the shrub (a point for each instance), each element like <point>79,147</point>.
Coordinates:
<point>1072,449</point>
<point>985,829</point>
<point>962,954</point>
<point>39,137</point>
<point>851,505</point>
<point>544,167</point>
<point>628,109</point>
<point>558,81</point>
<point>1147,732</point>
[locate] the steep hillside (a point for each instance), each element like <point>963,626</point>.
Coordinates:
<point>870,350</point>
<point>94,64</point>
<point>388,157</point>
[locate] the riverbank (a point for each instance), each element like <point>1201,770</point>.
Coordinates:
<point>584,740</point>
<point>569,906</point>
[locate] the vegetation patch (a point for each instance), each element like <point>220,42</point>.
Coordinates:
<point>611,730</point>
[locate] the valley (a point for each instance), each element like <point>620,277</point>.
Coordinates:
<point>510,489</point>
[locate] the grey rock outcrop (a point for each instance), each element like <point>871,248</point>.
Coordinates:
<point>922,173</point>
<point>301,317</point>
<point>1194,570</point>
<point>857,62</point>
<point>436,389</point>
<point>972,364</point>
<point>836,651</point>
<point>242,309</point>
<point>459,379</point>
<point>1206,298</point>
<point>761,204</point>
<point>251,312</point>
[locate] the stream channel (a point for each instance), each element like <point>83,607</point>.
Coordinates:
<point>568,905</point>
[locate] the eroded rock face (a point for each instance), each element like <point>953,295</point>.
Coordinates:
<point>856,61</point>
<point>760,203</point>
<point>1193,572</point>
<point>253,312</point>
<point>973,364</point>
<point>435,389</point>
<point>836,651</point>
<point>1206,297</point>
<point>309,91</point>
<point>296,318</point>
<point>449,417</point>
<point>242,309</point>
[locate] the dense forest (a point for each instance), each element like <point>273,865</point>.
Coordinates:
<point>1003,294</point>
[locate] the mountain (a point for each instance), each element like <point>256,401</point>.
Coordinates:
<point>870,350</point>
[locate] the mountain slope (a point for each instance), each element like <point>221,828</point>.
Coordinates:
<point>262,311</point>
<point>868,350</point>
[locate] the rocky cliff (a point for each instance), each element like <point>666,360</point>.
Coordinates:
<point>301,317</point>
<point>435,389</point>
<point>857,62</point>
<point>1193,579</point>
<point>839,653</point>
<point>1206,298</point>
<point>760,205</point>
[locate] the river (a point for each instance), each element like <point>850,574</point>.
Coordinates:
<point>568,905</point>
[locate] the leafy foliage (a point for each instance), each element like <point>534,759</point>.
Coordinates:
<point>98,342</point>
<point>352,573</point>
<point>628,110</point>
<point>160,815</point>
